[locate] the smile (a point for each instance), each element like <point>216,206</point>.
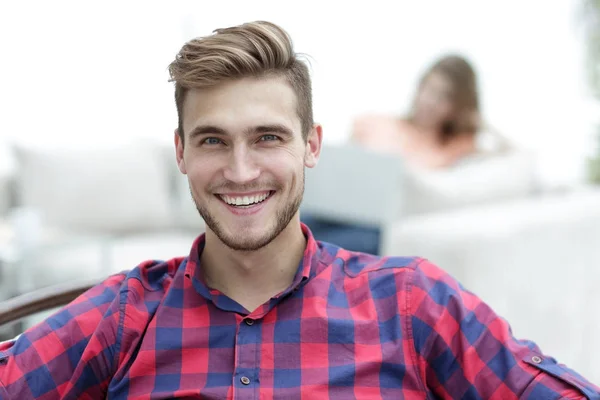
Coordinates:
<point>245,200</point>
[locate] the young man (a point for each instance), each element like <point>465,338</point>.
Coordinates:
<point>259,309</point>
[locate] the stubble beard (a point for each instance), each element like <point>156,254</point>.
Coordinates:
<point>243,242</point>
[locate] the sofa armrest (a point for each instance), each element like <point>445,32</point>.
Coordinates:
<point>536,261</point>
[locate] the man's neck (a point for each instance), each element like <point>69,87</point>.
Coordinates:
<point>253,277</point>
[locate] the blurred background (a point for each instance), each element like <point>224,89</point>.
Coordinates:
<point>89,184</point>
<point>73,58</point>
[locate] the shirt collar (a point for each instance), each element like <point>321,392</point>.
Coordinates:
<point>306,269</point>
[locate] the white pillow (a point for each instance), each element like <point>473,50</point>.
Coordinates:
<point>119,188</point>
<point>479,179</point>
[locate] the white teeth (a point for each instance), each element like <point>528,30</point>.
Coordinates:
<point>245,200</point>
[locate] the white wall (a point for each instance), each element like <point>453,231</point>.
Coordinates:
<point>81,71</point>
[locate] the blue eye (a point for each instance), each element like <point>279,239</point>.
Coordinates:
<point>212,141</point>
<point>268,138</point>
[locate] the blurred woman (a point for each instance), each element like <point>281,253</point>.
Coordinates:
<point>442,128</point>
<point>442,125</point>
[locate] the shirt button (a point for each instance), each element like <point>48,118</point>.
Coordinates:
<point>536,360</point>
<point>245,380</point>
<point>249,321</point>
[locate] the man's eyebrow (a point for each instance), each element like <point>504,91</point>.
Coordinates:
<point>270,128</point>
<point>281,129</point>
<point>206,130</point>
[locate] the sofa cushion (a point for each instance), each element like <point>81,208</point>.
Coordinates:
<point>115,188</point>
<point>478,179</point>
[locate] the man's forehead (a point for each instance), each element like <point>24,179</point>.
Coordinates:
<point>249,102</point>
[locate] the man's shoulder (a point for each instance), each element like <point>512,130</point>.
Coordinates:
<point>151,275</point>
<point>356,263</point>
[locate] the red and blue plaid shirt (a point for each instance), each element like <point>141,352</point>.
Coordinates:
<point>350,326</point>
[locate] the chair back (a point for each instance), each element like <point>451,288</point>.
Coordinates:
<point>44,299</point>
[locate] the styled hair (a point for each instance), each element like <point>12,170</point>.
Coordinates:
<point>255,49</point>
<point>466,114</point>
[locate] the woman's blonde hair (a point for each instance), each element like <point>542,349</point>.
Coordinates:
<point>255,49</point>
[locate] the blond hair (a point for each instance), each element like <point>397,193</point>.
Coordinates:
<point>254,49</point>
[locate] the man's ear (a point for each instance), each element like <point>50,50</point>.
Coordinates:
<point>313,146</point>
<point>179,152</point>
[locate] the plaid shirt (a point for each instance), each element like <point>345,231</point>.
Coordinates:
<point>350,325</point>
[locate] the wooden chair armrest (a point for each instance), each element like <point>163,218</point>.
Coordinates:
<point>27,304</point>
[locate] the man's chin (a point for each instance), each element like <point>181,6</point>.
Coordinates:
<point>249,233</point>
<point>245,243</point>
<point>243,237</point>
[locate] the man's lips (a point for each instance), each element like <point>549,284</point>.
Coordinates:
<point>245,200</point>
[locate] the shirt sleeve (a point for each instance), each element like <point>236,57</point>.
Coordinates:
<point>464,350</point>
<point>69,355</point>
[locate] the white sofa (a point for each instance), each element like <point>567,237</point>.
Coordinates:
<point>536,261</point>
<point>100,209</point>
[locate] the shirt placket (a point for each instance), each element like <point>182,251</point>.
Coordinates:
<point>247,360</point>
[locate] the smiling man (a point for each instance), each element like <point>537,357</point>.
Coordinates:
<point>244,148</point>
<point>259,309</point>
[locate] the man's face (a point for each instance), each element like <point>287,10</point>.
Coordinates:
<point>245,157</point>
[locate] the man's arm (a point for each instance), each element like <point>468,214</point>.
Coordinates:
<point>464,350</point>
<point>69,355</point>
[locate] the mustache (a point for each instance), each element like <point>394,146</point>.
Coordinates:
<point>249,187</point>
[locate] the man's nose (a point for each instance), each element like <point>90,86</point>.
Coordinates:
<point>241,167</point>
